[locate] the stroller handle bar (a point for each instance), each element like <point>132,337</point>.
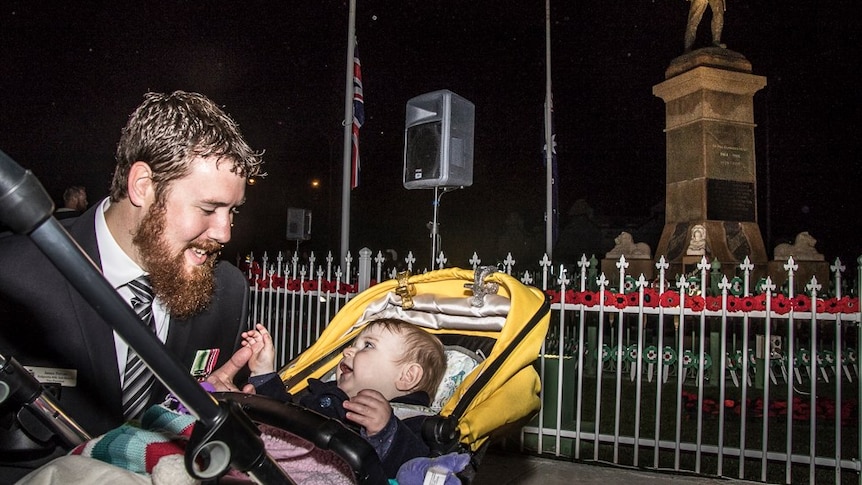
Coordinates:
<point>26,208</point>
<point>19,387</point>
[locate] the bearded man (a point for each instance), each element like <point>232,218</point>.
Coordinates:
<point>181,172</point>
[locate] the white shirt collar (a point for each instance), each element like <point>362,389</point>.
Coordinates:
<point>117,266</point>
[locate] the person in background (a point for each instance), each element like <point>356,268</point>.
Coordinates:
<point>181,173</point>
<point>74,202</point>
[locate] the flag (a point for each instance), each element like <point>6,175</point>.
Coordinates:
<point>358,118</point>
<point>555,192</point>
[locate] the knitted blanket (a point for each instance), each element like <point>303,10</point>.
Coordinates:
<point>163,434</point>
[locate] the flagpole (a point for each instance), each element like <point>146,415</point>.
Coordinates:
<point>348,133</point>
<point>549,147</point>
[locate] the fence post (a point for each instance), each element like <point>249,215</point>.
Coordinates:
<point>364,269</point>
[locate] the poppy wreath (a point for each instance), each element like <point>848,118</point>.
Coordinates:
<point>802,358</point>
<point>707,361</point>
<point>825,358</point>
<point>606,352</point>
<point>732,362</point>
<point>631,353</point>
<point>689,360</point>
<point>651,354</point>
<point>668,356</point>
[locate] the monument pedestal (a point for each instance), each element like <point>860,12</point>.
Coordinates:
<point>637,267</point>
<point>711,173</point>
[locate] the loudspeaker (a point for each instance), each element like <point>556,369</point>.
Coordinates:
<point>298,224</point>
<point>438,141</point>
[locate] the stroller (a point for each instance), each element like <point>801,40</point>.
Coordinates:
<point>492,327</point>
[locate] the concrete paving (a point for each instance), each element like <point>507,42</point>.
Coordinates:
<point>505,468</point>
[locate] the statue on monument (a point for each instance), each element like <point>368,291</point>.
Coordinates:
<point>802,249</point>
<point>626,246</point>
<point>697,243</point>
<point>695,14</point>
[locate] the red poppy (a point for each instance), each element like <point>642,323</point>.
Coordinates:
<point>833,305</point>
<point>851,305</point>
<point>590,299</point>
<point>345,288</point>
<point>567,297</point>
<point>293,284</point>
<point>713,303</point>
<point>619,300</point>
<point>328,286</point>
<point>651,298</point>
<point>262,283</point>
<point>277,281</point>
<point>309,285</point>
<point>801,303</point>
<point>608,296</point>
<point>554,294</point>
<point>669,299</point>
<point>696,303</point>
<point>255,268</point>
<point>633,299</point>
<point>734,303</point>
<point>759,301</point>
<point>820,306</point>
<point>748,303</point>
<point>781,304</point>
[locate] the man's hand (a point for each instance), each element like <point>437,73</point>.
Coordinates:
<point>222,378</point>
<point>370,410</point>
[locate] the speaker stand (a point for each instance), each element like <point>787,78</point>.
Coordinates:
<point>435,233</point>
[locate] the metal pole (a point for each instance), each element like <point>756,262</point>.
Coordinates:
<point>434,231</point>
<point>549,178</point>
<point>348,132</point>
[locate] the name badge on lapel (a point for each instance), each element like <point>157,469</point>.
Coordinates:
<point>54,375</point>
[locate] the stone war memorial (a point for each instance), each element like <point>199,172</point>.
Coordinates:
<point>711,182</point>
<point>710,176</point>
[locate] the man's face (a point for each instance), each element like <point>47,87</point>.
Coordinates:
<point>371,363</point>
<point>180,237</point>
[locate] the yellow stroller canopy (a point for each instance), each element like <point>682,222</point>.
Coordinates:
<point>491,314</point>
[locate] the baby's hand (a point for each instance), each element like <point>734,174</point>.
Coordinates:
<point>262,360</point>
<point>370,410</point>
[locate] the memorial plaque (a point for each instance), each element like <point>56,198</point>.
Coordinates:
<point>728,200</point>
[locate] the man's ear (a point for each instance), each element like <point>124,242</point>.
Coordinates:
<point>411,375</point>
<point>140,184</point>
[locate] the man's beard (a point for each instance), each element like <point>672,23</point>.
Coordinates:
<point>183,293</point>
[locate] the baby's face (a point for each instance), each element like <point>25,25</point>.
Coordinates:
<point>370,362</point>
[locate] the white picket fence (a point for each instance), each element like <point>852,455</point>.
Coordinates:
<point>696,373</point>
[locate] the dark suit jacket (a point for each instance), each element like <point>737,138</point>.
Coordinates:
<point>45,322</point>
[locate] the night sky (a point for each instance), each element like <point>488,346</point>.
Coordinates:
<point>73,72</point>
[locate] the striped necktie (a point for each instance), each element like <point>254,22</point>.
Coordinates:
<point>138,379</point>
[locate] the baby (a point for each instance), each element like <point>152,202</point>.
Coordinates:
<point>389,361</point>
